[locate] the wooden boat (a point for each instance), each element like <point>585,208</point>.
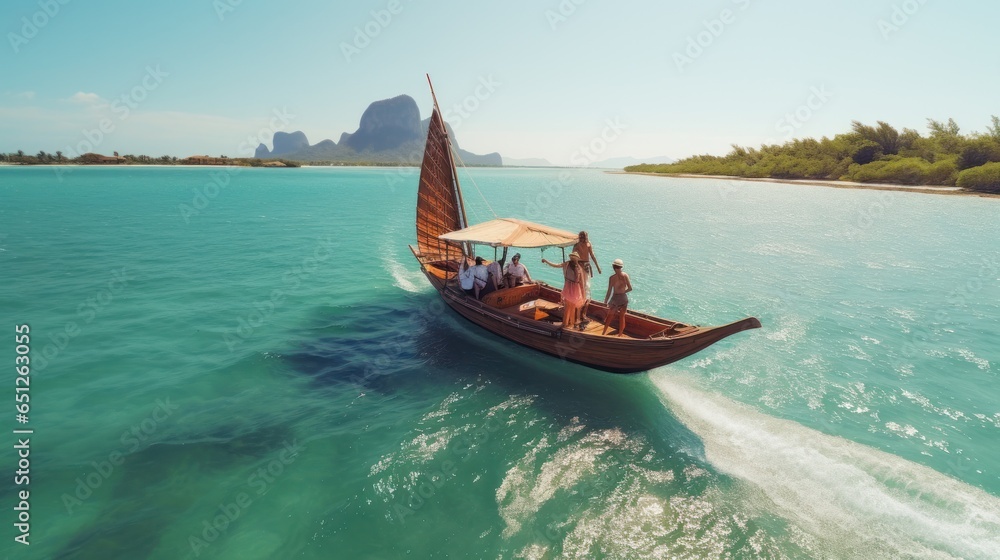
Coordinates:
<point>531,314</point>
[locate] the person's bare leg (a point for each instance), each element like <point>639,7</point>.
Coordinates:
<point>569,315</point>
<point>607,320</point>
<point>621,322</point>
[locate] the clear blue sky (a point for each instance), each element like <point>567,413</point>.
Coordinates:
<point>561,69</point>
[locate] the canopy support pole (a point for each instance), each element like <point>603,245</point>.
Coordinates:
<point>447,257</point>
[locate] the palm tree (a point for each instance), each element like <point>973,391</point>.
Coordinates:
<point>59,156</point>
<point>20,155</point>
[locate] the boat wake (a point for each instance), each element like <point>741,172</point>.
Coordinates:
<point>855,500</point>
<point>405,278</point>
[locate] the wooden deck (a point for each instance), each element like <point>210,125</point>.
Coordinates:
<point>545,310</point>
<point>531,315</point>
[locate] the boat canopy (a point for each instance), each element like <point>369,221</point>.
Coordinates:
<point>511,232</point>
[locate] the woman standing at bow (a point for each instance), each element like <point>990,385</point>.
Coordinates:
<point>573,288</point>
<point>584,248</point>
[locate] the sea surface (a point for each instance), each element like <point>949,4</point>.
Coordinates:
<point>249,364</point>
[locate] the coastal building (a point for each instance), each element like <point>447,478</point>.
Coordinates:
<point>98,159</point>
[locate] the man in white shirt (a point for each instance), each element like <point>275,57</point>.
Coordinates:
<point>516,273</point>
<point>467,278</point>
<point>480,276</point>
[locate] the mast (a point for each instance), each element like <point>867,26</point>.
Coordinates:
<point>464,221</point>
<point>440,206</point>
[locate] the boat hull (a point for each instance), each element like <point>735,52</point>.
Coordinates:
<point>605,353</point>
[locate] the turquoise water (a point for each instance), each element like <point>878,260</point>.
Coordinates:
<point>265,357</point>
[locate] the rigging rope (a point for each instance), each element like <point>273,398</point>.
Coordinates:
<point>469,175</point>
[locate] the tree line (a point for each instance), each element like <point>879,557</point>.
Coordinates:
<point>866,154</point>
<point>44,158</point>
<point>57,158</point>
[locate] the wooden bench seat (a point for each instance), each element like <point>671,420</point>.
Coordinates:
<point>538,310</point>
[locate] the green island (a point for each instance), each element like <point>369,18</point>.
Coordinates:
<point>867,154</point>
<point>57,158</point>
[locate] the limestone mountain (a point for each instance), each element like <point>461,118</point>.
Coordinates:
<point>390,131</point>
<point>386,125</point>
<point>285,143</point>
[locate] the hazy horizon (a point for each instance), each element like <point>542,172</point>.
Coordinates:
<point>570,81</point>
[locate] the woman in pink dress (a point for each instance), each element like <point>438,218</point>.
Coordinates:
<point>585,249</point>
<point>573,289</point>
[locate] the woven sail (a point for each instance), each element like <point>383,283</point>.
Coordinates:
<point>439,198</point>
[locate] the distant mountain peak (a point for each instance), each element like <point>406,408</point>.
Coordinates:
<point>386,125</point>
<point>390,131</point>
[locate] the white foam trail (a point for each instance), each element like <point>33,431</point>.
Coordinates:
<point>411,280</point>
<point>858,501</point>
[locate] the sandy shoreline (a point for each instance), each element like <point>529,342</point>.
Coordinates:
<point>923,189</point>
